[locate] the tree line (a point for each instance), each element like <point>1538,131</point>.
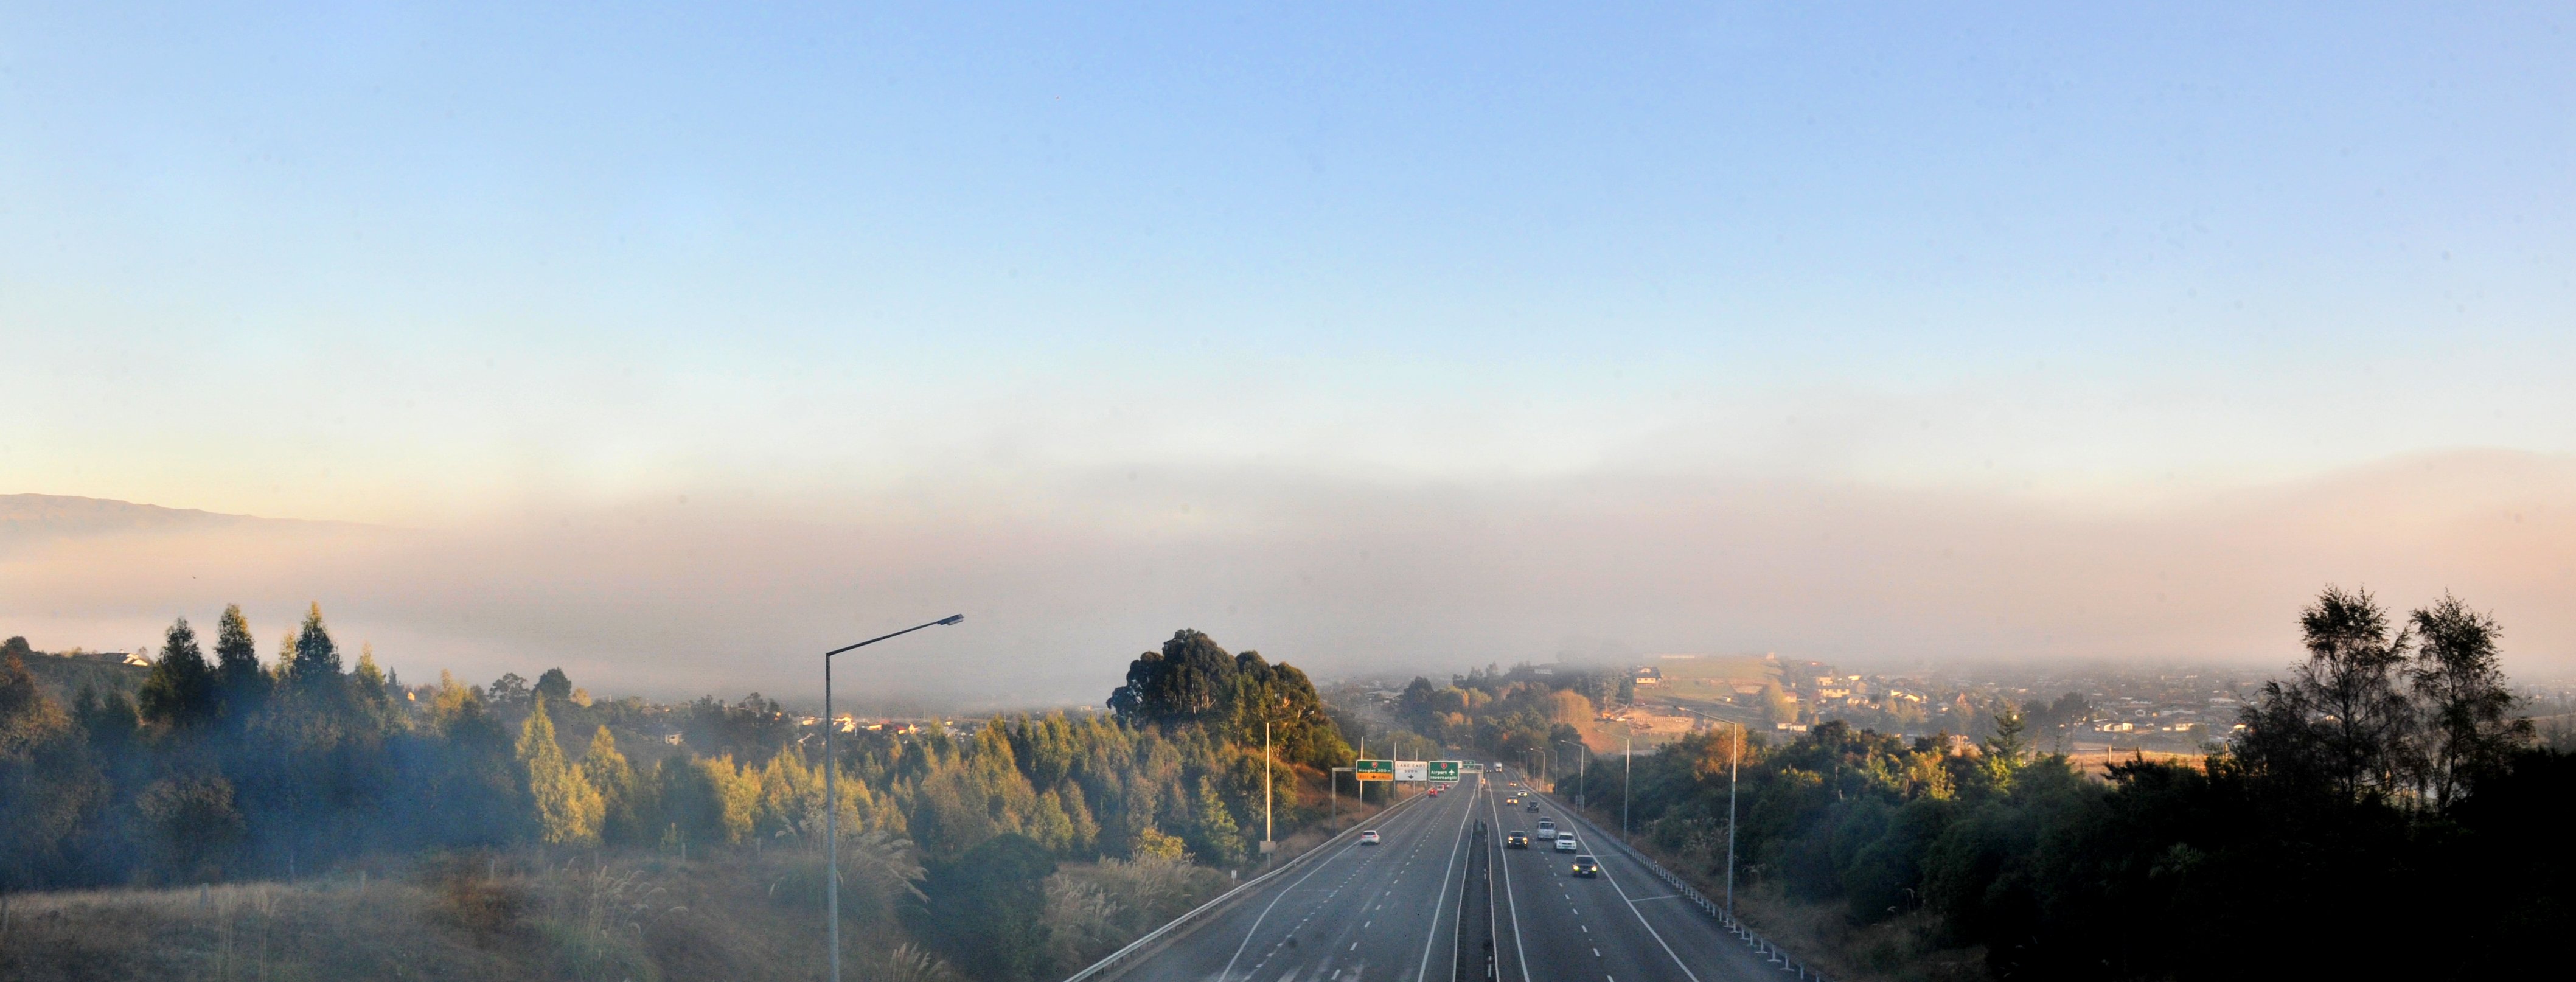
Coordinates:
<point>1511,714</point>
<point>2385,782</point>
<point>228,767</point>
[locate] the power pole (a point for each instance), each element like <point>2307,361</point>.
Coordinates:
<point>1627,766</point>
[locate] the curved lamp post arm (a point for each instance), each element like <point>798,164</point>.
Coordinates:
<point>832,796</point>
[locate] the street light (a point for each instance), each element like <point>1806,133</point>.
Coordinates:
<point>1627,767</point>
<point>1731,766</point>
<point>1582,770</point>
<point>832,796</point>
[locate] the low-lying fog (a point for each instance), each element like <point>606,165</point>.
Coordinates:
<point>1061,585</point>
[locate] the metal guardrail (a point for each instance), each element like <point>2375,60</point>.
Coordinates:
<point>1760,945</point>
<point>1146,943</point>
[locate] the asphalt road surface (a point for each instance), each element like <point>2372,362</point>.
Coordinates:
<point>1356,913</point>
<point>1387,913</point>
<point>1622,926</point>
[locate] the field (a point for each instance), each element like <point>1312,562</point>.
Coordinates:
<point>1705,684</point>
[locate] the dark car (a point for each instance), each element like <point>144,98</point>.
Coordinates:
<point>1533,806</point>
<point>1516,839</point>
<point>1584,866</point>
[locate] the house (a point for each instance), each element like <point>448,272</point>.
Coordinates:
<point>1650,676</point>
<point>671,738</point>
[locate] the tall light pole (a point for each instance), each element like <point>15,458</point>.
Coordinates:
<point>1731,766</point>
<point>1267,846</point>
<point>1627,767</point>
<point>832,797</point>
<point>1583,770</point>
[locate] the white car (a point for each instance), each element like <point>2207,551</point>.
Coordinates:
<point>1566,843</point>
<point>1368,837</point>
<point>1547,828</point>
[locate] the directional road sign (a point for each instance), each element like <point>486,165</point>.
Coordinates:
<point>1444,771</point>
<point>1373,770</point>
<point>1411,770</point>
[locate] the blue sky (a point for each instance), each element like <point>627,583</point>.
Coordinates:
<point>429,263</point>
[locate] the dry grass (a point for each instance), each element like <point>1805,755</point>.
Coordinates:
<point>2097,764</point>
<point>1096,908</point>
<point>506,917</point>
<point>331,930</point>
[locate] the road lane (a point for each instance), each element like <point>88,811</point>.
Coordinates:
<point>1387,913</point>
<point>1353,914</point>
<point>1612,928</point>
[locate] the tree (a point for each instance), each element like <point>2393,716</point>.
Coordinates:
<point>555,686</point>
<point>373,687</point>
<point>48,787</point>
<point>568,809</point>
<point>2468,728</point>
<point>986,909</point>
<point>180,691</point>
<point>16,647</point>
<point>1190,679</point>
<point>1220,837</point>
<point>508,692</point>
<point>2342,717</point>
<point>315,663</point>
<point>239,683</point>
<point>608,773</point>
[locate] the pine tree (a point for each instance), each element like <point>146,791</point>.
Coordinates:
<point>239,683</point>
<point>1219,835</point>
<point>315,661</point>
<point>369,682</point>
<point>181,689</point>
<point>568,808</point>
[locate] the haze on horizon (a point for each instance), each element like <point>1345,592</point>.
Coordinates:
<point>671,346</point>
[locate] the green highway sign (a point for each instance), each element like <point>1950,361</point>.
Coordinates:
<point>1444,772</point>
<point>1373,770</point>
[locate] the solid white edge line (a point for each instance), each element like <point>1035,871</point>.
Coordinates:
<point>1641,918</point>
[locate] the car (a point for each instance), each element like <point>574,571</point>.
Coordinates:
<point>1368,837</point>
<point>1533,806</point>
<point>1566,843</point>
<point>1514,800</point>
<point>1515,839</point>
<point>1547,828</point>
<point>1586,866</point>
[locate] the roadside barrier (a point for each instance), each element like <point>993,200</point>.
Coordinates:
<point>1760,946</point>
<point>1148,943</point>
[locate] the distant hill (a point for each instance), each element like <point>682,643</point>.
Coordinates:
<point>63,677</point>
<point>26,519</point>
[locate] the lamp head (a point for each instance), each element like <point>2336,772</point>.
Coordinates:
<point>952,618</point>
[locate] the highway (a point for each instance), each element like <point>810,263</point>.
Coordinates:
<point>1622,926</point>
<point>1352,914</point>
<point>1388,913</point>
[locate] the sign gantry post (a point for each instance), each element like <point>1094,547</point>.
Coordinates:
<point>1365,771</point>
